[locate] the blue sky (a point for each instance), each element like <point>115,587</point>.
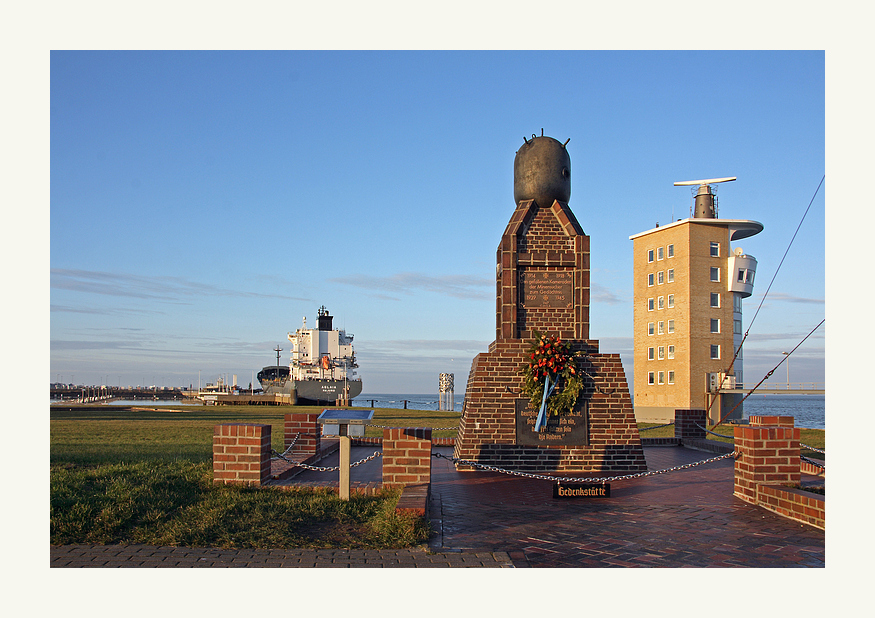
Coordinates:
<point>202,203</point>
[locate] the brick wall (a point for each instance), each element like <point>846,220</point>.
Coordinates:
<point>685,424</point>
<point>406,456</point>
<point>308,432</point>
<point>768,464</point>
<point>539,240</point>
<point>487,429</point>
<point>241,453</point>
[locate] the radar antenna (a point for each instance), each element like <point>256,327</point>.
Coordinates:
<point>277,350</point>
<point>705,202</point>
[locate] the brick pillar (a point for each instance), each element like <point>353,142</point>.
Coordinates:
<point>304,425</point>
<point>241,453</point>
<point>685,422</point>
<point>406,456</point>
<point>768,454</point>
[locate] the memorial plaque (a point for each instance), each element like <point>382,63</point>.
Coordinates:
<point>546,288</point>
<point>564,430</point>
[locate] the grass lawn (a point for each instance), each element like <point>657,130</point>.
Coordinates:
<point>145,476</point>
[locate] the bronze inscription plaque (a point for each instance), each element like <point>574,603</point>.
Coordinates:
<point>566,430</point>
<point>546,288</point>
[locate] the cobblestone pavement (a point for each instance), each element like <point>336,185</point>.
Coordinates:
<point>109,556</point>
<point>687,518</point>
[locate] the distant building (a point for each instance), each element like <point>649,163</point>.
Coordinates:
<point>688,289</point>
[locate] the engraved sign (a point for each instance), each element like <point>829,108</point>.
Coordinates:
<point>578,490</point>
<point>565,430</point>
<point>546,288</point>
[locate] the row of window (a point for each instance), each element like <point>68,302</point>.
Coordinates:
<point>658,377</point>
<point>660,277</point>
<point>660,353</point>
<point>660,253</point>
<point>660,303</point>
<point>660,327</point>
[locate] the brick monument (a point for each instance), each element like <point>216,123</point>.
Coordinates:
<point>542,284</point>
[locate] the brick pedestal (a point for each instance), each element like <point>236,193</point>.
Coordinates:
<point>308,432</point>
<point>689,424</point>
<point>406,456</point>
<point>768,454</point>
<point>241,453</point>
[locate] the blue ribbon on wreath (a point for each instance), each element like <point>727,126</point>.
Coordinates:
<point>541,421</point>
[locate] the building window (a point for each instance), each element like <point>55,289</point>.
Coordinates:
<point>649,255</point>
<point>736,303</point>
<point>649,353</point>
<point>670,276</point>
<point>650,377</point>
<point>659,253</point>
<point>715,273</point>
<point>671,351</point>
<point>662,377</point>
<point>715,249</point>
<point>715,325</point>
<point>748,276</point>
<point>741,275</point>
<point>649,279</point>
<point>736,327</point>
<point>650,328</point>
<point>659,330</point>
<point>670,301</point>
<point>659,277</point>
<point>715,352</point>
<point>660,302</point>
<point>650,304</point>
<point>671,326</point>
<point>660,353</point>
<point>670,251</point>
<point>715,300</point>
<point>671,377</point>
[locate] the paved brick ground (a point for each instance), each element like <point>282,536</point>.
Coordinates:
<point>489,519</point>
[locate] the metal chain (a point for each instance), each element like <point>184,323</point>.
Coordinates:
<point>587,479</point>
<point>711,432</point>
<point>816,464</point>
<point>285,452</point>
<point>656,427</point>
<point>811,448</point>
<point>325,469</point>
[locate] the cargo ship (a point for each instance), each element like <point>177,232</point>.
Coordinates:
<point>322,369</point>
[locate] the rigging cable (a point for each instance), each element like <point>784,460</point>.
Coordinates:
<point>769,374</point>
<point>763,299</point>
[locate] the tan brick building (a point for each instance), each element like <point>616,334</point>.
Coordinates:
<point>688,287</point>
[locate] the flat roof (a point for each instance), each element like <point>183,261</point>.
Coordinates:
<point>738,228</point>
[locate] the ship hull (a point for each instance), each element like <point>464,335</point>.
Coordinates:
<point>317,392</point>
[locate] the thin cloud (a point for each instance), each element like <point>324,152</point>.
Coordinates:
<point>457,286</point>
<point>170,289</point>
<point>788,298</point>
<point>601,294</point>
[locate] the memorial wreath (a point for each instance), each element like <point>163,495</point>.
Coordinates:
<point>550,362</point>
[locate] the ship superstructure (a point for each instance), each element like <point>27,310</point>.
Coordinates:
<point>322,367</point>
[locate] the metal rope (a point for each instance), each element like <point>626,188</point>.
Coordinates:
<point>711,432</point>
<point>816,464</point>
<point>811,448</point>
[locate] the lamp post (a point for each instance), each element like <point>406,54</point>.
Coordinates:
<point>787,354</point>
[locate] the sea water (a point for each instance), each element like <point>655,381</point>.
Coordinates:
<point>809,411</point>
